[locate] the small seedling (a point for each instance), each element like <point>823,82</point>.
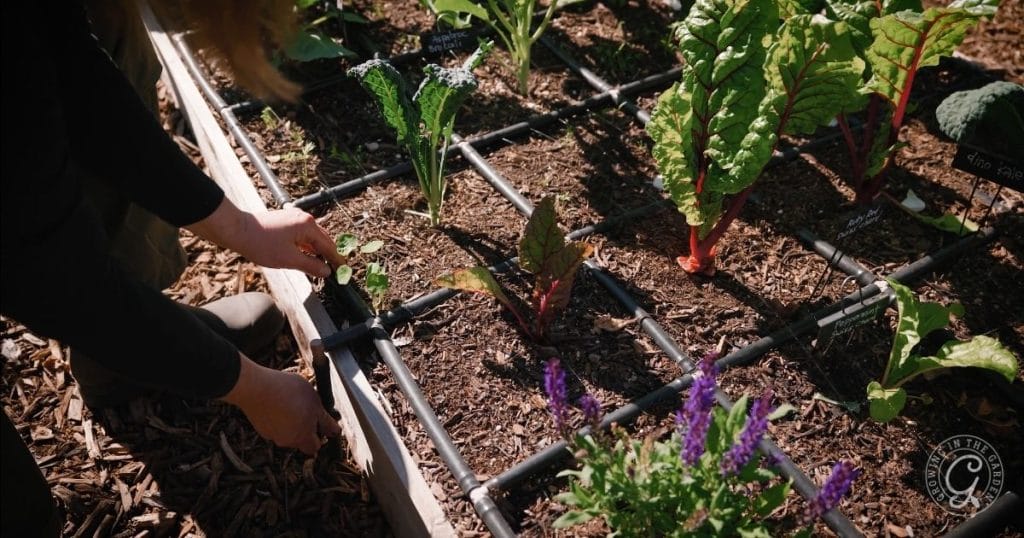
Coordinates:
<point>424,123</point>
<point>512,20</point>
<point>377,283</point>
<point>543,252</point>
<point>916,320</point>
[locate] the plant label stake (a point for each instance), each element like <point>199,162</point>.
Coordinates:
<point>437,43</point>
<point>846,320</point>
<point>860,219</point>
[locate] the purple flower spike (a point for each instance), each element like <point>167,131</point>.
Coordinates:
<point>695,416</point>
<point>591,411</point>
<point>843,475</point>
<point>554,384</point>
<point>753,430</point>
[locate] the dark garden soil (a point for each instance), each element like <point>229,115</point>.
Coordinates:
<point>485,379</point>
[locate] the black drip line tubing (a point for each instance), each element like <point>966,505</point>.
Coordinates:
<point>479,493</point>
<point>443,443</point>
<point>836,258</point>
<point>234,127</point>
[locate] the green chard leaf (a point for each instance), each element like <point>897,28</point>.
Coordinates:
<point>905,41</point>
<point>858,14</point>
<point>376,279</point>
<point>916,320</point>
<point>978,352</point>
<point>371,247</point>
<point>710,122</point>
<point>813,72</point>
<point>885,404</point>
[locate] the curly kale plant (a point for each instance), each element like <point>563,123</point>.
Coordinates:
<point>707,479</point>
<point>917,319</point>
<point>424,123</point>
<point>543,252</point>
<point>990,118</point>
<point>747,80</point>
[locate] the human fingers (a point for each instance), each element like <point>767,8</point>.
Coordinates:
<point>311,265</point>
<point>319,242</point>
<point>327,426</point>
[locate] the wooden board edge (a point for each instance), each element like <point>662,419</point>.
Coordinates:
<point>375,444</point>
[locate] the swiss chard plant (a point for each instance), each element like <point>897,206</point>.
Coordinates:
<point>747,80</point>
<point>309,43</point>
<point>708,479</point>
<point>917,319</point>
<point>543,252</point>
<point>376,279</point>
<point>423,123</point>
<point>512,20</point>
<point>896,38</point>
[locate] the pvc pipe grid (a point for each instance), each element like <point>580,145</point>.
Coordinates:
<point>480,494</point>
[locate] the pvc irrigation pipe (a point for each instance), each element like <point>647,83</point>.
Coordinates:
<point>443,443</point>
<point>488,139</point>
<point>234,127</point>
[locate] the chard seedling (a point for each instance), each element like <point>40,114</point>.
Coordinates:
<point>747,80</point>
<point>917,319</point>
<point>896,38</point>
<point>512,20</point>
<point>543,252</point>
<point>377,283</point>
<point>424,123</point>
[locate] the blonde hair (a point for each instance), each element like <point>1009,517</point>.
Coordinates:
<point>236,35</point>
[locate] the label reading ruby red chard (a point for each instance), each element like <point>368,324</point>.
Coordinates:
<point>859,219</point>
<point>997,169</point>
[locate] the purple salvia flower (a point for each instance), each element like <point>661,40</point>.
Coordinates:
<point>695,416</point>
<point>591,411</point>
<point>554,384</point>
<point>753,430</point>
<point>843,475</point>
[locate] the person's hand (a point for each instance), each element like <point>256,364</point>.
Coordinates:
<point>281,407</point>
<point>285,238</point>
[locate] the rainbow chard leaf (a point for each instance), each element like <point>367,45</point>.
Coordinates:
<point>747,80</point>
<point>543,252</point>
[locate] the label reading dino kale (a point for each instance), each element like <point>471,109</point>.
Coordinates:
<point>991,167</point>
<point>441,42</point>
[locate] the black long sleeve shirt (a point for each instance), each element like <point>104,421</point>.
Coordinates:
<point>67,109</point>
